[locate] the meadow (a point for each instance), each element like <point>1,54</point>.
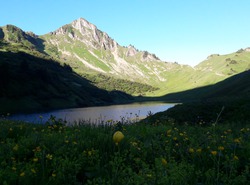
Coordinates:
<point>150,153</point>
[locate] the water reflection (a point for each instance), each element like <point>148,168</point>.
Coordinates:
<point>98,114</point>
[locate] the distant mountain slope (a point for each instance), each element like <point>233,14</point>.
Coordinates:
<point>224,65</point>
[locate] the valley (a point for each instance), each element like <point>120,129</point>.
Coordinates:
<point>202,137</point>
<point>79,65</point>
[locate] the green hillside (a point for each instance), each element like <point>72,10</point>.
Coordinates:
<point>228,100</point>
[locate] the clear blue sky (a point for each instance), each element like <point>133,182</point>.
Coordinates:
<point>185,31</point>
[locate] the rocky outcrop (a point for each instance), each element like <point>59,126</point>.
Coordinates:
<point>148,56</point>
<point>131,51</point>
<point>87,33</point>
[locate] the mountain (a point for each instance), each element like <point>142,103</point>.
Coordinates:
<point>100,63</point>
<point>86,48</point>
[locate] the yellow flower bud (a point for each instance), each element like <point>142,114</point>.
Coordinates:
<point>191,150</point>
<point>164,161</point>
<point>117,137</point>
<point>221,148</point>
<point>214,153</point>
<point>235,158</point>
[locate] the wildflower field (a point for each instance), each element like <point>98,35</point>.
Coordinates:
<point>120,153</point>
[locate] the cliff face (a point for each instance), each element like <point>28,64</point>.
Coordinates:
<point>87,34</point>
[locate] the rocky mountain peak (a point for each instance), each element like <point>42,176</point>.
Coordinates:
<point>82,24</point>
<point>88,33</point>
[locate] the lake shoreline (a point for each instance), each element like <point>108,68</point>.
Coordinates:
<point>97,114</point>
<point>44,110</point>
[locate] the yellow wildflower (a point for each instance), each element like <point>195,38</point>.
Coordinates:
<point>214,153</point>
<point>49,156</point>
<point>237,140</point>
<point>37,149</point>
<point>117,137</point>
<point>14,168</point>
<point>35,159</point>
<point>10,129</point>
<point>198,150</point>
<point>33,170</point>
<point>221,148</point>
<point>175,138</point>
<point>22,174</point>
<point>164,161</point>
<point>191,150</point>
<point>53,175</point>
<point>149,175</point>
<point>235,158</point>
<point>186,139</point>
<point>89,153</point>
<point>15,148</point>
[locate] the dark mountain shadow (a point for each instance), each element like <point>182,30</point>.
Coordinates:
<point>228,100</point>
<point>31,84</point>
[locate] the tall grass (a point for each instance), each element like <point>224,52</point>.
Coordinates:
<point>150,153</point>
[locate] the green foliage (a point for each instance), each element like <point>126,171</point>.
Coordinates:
<point>155,153</point>
<point>110,83</point>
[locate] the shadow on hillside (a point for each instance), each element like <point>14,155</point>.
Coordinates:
<point>232,87</point>
<point>228,100</point>
<point>31,84</point>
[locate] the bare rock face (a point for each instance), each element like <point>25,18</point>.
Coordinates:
<point>89,34</point>
<point>131,51</point>
<point>148,56</point>
<point>247,49</point>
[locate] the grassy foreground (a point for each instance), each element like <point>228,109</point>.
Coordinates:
<point>152,153</point>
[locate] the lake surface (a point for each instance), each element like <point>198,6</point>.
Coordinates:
<point>101,114</point>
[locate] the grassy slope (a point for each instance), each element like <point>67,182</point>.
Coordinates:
<point>231,96</point>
